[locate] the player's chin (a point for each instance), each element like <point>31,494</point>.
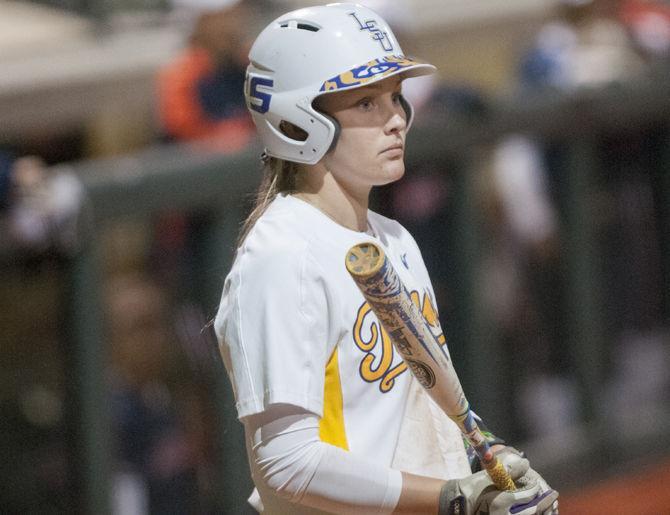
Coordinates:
<point>393,170</point>
<point>396,171</point>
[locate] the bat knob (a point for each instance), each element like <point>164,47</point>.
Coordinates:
<point>364,259</point>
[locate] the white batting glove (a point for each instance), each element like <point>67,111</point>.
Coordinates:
<point>509,456</point>
<point>477,495</point>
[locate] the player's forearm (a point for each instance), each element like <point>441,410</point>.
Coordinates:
<point>337,481</point>
<point>419,494</point>
<point>291,462</point>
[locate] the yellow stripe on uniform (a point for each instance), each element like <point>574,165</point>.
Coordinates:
<point>331,426</point>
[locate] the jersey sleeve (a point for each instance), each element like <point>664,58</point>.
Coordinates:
<point>273,330</point>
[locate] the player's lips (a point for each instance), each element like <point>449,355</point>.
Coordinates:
<point>396,148</point>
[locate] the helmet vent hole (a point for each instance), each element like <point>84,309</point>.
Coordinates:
<point>301,25</point>
<point>305,26</point>
<point>292,131</point>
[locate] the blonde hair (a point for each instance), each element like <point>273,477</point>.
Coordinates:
<point>279,176</point>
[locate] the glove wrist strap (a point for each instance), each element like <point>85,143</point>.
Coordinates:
<point>452,500</point>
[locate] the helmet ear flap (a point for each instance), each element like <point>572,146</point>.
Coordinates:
<point>336,136</point>
<point>333,120</point>
<point>409,111</point>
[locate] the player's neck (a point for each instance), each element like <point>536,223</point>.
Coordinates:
<point>338,202</point>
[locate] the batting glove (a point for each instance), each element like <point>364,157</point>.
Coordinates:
<point>508,456</point>
<point>477,495</point>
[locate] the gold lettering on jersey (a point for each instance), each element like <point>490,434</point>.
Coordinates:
<point>369,372</point>
<point>388,380</point>
<point>372,339</point>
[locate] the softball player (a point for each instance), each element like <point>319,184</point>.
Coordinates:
<point>333,420</point>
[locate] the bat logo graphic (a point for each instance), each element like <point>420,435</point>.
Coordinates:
<point>422,372</point>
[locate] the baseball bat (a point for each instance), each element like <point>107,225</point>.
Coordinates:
<point>425,357</point>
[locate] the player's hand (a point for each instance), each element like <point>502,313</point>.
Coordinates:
<point>477,495</point>
<point>528,500</point>
<point>508,456</point>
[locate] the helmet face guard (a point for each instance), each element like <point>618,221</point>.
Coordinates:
<point>312,52</point>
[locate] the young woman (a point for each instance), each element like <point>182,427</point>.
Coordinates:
<point>334,422</point>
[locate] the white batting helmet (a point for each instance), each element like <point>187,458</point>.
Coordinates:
<point>311,52</point>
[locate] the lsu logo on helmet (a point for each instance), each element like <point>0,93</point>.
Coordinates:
<point>377,34</point>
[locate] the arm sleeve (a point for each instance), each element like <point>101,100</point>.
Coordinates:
<point>273,329</point>
<point>290,461</point>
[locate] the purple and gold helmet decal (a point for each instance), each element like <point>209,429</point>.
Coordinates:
<point>368,72</point>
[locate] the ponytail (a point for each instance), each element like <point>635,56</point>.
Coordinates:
<point>279,176</point>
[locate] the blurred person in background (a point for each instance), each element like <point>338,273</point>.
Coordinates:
<point>590,45</point>
<point>201,99</point>
<point>586,44</point>
<point>158,432</point>
<point>41,205</point>
<point>520,285</point>
<point>649,24</point>
<point>200,93</point>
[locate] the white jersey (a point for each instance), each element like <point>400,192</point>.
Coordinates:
<point>294,329</point>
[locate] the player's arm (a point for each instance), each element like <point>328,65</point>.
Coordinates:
<point>290,460</point>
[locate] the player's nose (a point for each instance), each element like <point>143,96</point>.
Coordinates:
<point>397,119</point>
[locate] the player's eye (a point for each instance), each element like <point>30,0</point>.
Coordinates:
<point>365,104</point>
<point>396,97</point>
